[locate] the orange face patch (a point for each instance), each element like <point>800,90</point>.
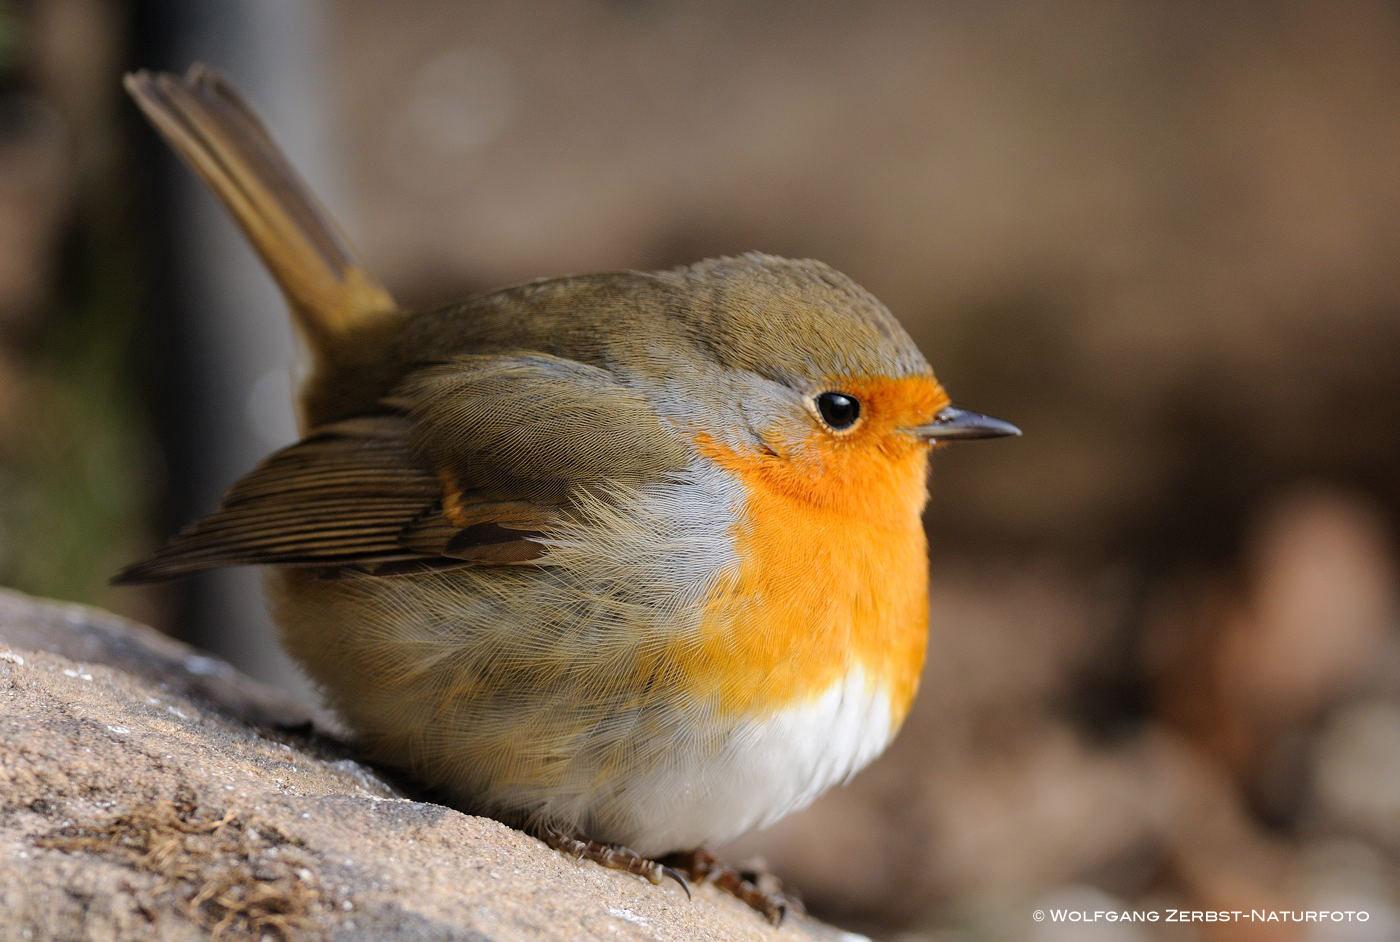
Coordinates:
<point>834,562</point>
<point>867,469</point>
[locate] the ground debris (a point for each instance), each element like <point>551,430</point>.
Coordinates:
<point>235,879</point>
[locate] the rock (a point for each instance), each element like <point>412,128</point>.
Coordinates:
<point>152,792</point>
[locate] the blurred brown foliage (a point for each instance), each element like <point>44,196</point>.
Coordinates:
<point>1161,237</point>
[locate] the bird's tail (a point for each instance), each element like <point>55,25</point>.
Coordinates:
<point>209,124</point>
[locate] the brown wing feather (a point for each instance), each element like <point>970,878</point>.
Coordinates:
<point>350,495</point>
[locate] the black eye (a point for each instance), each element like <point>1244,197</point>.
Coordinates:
<point>838,410</point>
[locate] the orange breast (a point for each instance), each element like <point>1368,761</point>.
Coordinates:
<point>834,561</point>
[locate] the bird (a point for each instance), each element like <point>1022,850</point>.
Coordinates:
<point>632,561</point>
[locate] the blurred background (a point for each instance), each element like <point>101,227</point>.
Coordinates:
<point>1162,237</point>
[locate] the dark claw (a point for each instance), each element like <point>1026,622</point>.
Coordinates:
<point>675,875</point>
<point>756,889</point>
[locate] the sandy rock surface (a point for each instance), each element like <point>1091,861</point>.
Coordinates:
<point>152,792</point>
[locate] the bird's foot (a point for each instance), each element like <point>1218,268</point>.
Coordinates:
<point>614,857</point>
<point>759,890</point>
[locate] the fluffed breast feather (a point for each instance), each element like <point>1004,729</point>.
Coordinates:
<point>472,463</point>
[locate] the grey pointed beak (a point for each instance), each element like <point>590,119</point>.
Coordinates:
<point>953,423</point>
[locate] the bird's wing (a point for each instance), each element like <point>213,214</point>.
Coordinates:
<point>474,463</point>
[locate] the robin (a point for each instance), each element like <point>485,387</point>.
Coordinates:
<point>633,561</point>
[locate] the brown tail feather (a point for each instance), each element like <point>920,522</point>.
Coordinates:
<point>216,132</point>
